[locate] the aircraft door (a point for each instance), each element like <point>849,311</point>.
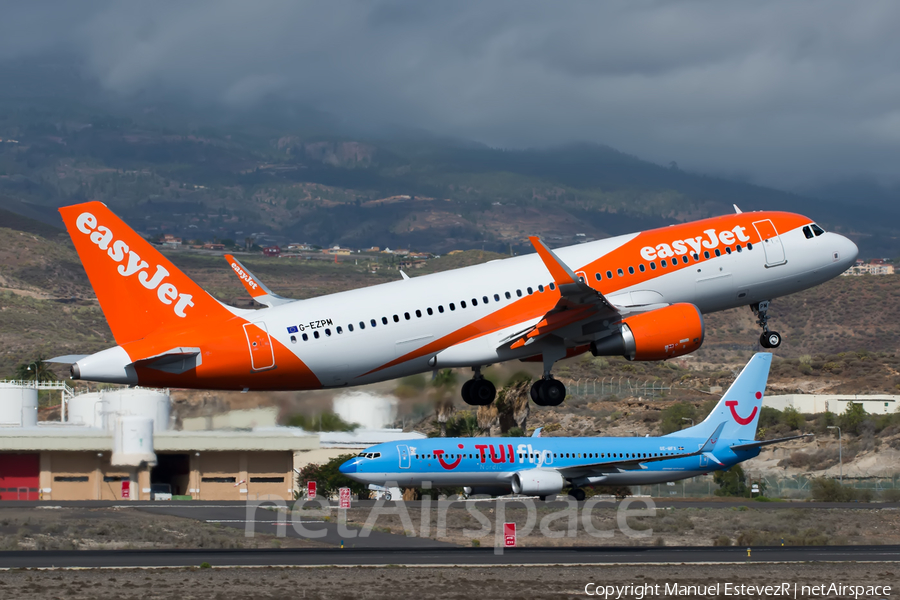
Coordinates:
<point>704,460</point>
<point>262,354</point>
<point>404,456</point>
<point>771,243</point>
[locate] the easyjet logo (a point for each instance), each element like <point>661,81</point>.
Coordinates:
<point>709,240</point>
<point>119,252</point>
<point>243,275</point>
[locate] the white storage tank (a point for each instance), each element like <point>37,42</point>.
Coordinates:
<point>18,405</point>
<point>102,408</point>
<point>133,442</point>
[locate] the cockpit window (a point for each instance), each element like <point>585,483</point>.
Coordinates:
<point>807,232</point>
<point>369,455</point>
<point>817,230</point>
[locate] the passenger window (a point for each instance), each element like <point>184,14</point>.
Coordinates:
<point>485,298</point>
<point>817,230</point>
<point>384,321</point>
<point>718,253</point>
<point>663,263</point>
<point>642,267</point>
<point>316,334</point>
<point>739,249</point>
<point>474,301</point>
<point>696,256</point>
<point>508,295</point>
<point>631,270</point>
<point>462,303</point>
<point>293,339</point>
<point>684,259</point>
<point>429,311</point>
<point>519,293</point>
<point>727,249</point>
<point>530,291</point>
<point>541,289</point>
<point>350,327</point>
<point>339,330</point>
<point>452,306</point>
<point>373,322</point>
<point>440,308</point>
<point>496,298</point>
<point>406,316</point>
<point>706,254</point>
<point>620,272</point>
<point>609,274</point>
<point>807,232</point>
<point>653,266</point>
<point>418,313</point>
<point>553,285</point>
<point>305,337</point>
<point>362,324</point>
<point>396,319</point>
<point>749,246</point>
<point>597,276</point>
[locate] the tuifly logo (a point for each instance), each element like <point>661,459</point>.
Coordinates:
<point>732,404</point>
<point>444,463</point>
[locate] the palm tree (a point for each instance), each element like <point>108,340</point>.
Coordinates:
<point>444,382</point>
<point>513,406</point>
<point>36,370</point>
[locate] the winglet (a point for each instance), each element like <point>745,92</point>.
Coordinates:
<point>737,211</point>
<point>560,272</point>
<point>257,290</point>
<point>537,432</point>
<point>710,444</point>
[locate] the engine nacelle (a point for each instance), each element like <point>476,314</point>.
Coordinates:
<point>538,482</point>
<point>655,335</point>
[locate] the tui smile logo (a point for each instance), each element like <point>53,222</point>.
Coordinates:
<point>732,404</point>
<point>444,463</point>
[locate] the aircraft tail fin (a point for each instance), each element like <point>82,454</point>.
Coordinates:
<point>739,407</point>
<point>140,291</point>
<point>256,288</point>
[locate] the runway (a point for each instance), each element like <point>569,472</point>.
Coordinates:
<point>475,557</point>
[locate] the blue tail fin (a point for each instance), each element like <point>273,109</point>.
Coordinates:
<point>739,407</point>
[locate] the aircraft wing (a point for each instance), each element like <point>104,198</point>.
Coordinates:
<point>750,445</point>
<point>257,290</point>
<point>578,301</point>
<point>615,464</point>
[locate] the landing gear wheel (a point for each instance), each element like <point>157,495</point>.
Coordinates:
<point>482,392</point>
<point>536,392</point>
<point>771,339</point>
<point>578,494</point>
<point>387,496</point>
<point>552,392</point>
<point>466,390</point>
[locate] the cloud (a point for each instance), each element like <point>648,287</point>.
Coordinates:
<point>784,93</point>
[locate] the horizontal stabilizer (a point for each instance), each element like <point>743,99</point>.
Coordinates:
<point>257,289</point>
<point>176,360</point>
<point>750,445</point>
<point>68,359</point>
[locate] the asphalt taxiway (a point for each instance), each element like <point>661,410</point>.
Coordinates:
<point>475,557</point>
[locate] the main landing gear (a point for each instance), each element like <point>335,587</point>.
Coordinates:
<point>768,339</point>
<point>548,392</point>
<point>478,391</point>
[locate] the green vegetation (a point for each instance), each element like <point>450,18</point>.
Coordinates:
<point>326,421</point>
<point>732,482</point>
<point>329,479</point>
<point>673,417</point>
<point>825,489</point>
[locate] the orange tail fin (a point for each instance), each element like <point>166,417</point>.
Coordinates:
<point>140,291</point>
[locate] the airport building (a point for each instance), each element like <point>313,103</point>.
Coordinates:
<point>873,404</point>
<point>120,445</point>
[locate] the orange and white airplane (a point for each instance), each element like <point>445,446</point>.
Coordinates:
<point>640,295</point>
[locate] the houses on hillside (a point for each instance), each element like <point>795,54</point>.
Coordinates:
<point>877,266</point>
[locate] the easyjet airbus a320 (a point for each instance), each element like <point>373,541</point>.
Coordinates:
<point>640,295</point>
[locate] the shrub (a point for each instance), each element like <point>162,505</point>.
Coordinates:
<point>830,490</point>
<point>722,540</point>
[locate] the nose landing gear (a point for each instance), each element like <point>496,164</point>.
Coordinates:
<point>768,339</point>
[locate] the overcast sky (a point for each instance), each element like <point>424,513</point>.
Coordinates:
<point>783,93</point>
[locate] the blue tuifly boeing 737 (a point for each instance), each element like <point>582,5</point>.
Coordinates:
<point>544,466</point>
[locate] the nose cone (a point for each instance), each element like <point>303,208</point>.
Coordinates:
<point>850,251</point>
<point>348,467</point>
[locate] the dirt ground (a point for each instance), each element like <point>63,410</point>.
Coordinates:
<point>111,528</point>
<point>437,583</point>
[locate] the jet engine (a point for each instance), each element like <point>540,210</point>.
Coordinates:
<point>658,334</point>
<point>538,482</point>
